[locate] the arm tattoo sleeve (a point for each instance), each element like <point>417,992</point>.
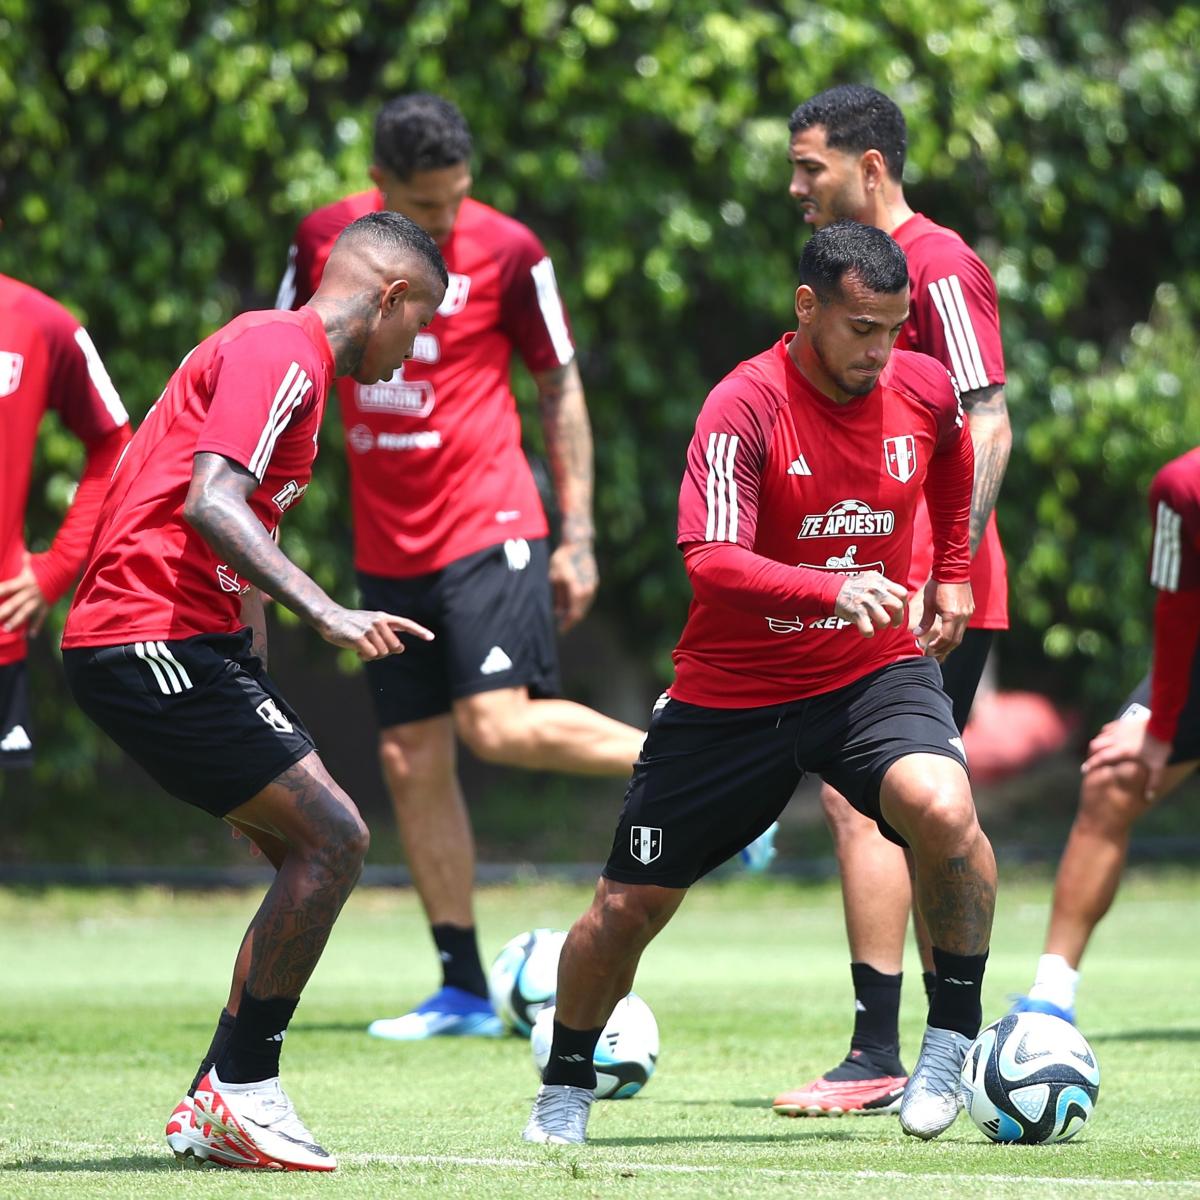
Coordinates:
<point>568,434</point>
<point>991,438</point>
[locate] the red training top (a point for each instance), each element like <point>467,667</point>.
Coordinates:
<point>436,466</point>
<point>48,362</point>
<point>254,391</point>
<point>786,493</point>
<point>954,317</point>
<point>1175,571</point>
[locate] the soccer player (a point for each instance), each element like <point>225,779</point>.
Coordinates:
<point>47,364</point>
<point>796,521</point>
<point>1142,756</point>
<point>165,643</point>
<point>448,526</point>
<point>847,150</point>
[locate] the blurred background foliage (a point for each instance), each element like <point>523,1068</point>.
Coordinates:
<point>157,154</point>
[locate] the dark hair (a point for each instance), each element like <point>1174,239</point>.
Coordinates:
<point>391,232</point>
<point>420,132</point>
<point>850,248</point>
<point>857,118</point>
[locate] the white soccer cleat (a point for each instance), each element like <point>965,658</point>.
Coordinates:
<point>933,1096</point>
<point>245,1125</point>
<point>560,1115</point>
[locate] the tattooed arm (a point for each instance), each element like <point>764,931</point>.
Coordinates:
<point>568,433</point>
<point>218,508</point>
<point>991,437</point>
<point>254,615</point>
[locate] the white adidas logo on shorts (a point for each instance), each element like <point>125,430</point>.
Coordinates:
<point>495,662</point>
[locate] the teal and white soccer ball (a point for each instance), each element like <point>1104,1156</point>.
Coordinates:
<point>625,1054</point>
<point>524,976</point>
<point>1030,1077</point>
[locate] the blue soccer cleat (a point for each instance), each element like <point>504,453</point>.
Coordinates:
<point>450,1012</point>
<point>1029,1004</point>
<point>757,856</point>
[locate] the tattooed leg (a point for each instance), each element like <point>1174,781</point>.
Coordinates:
<point>927,799</point>
<point>324,841</point>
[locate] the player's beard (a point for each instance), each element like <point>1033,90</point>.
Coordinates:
<point>847,384</point>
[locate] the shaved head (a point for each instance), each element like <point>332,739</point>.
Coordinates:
<point>383,282</point>
<point>382,245</point>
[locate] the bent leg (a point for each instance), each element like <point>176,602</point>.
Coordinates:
<point>508,727</point>
<point>326,842</point>
<point>926,798</point>
<point>876,892</point>
<point>1110,801</point>
<point>418,761</point>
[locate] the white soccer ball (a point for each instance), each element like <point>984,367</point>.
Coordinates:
<point>1030,1077</point>
<point>625,1054</point>
<point>524,975</point>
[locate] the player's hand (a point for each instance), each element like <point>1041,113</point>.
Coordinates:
<point>946,609</point>
<point>573,582</point>
<point>22,602</point>
<point>871,601</point>
<point>1130,740</point>
<point>370,635</point>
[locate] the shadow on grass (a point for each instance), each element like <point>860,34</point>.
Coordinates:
<point>792,1136</point>
<point>1147,1035</point>
<point>159,1164</point>
<point>744,1102</point>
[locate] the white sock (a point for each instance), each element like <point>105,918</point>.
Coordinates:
<point>1056,981</point>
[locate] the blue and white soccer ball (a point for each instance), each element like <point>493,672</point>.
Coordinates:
<point>625,1054</point>
<point>1030,1077</point>
<point>523,978</point>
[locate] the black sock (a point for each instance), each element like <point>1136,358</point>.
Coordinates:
<point>958,1000</point>
<point>459,952</point>
<point>219,1039</point>
<point>571,1056</point>
<point>876,1010</point>
<point>929,978</point>
<point>252,1052</point>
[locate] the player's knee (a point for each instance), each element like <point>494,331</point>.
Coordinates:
<point>491,737</point>
<point>845,822</point>
<point>631,914</point>
<point>1113,795</point>
<point>412,760</point>
<point>339,836</point>
<point>940,810</point>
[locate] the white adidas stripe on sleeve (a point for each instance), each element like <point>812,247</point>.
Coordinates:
<point>550,303</point>
<point>295,386</point>
<point>285,298</point>
<point>1167,557</point>
<point>969,371</point>
<point>721,488</point>
<point>99,377</point>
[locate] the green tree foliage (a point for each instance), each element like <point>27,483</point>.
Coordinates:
<point>158,153</point>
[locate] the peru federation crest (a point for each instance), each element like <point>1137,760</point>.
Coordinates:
<point>900,455</point>
<point>645,843</point>
<point>11,364</point>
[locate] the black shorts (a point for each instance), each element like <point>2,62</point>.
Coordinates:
<point>962,671</point>
<point>200,714</point>
<point>492,618</point>
<point>16,728</point>
<point>710,780</point>
<point>1185,747</point>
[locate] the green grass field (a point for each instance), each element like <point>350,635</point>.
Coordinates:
<point>107,999</point>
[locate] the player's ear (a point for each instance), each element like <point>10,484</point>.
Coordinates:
<point>874,170</point>
<point>806,303</point>
<point>394,296</point>
<point>377,176</point>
